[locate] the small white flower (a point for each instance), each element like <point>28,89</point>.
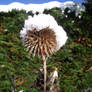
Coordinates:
<point>62,11</point>
<point>66,16</point>
<point>79,16</point>
<point>2,66</point>
<point>5,30</point>
<point>21,91</point>
<point>73,21</point>
<point>69,11</point>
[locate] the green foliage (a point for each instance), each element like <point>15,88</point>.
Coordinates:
<point>73,60</point>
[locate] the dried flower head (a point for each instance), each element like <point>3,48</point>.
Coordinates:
<point>40,42</point>
<point>42,35</point>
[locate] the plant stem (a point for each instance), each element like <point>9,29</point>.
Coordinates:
<point>45,72</point>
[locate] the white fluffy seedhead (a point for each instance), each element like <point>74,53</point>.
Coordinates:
<point>40,22</point>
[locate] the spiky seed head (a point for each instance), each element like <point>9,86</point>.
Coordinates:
<point>40,42</point>
<point>41,34</point>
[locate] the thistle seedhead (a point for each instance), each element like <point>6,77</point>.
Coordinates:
<point>41,42</point>
<point>42,35</point>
